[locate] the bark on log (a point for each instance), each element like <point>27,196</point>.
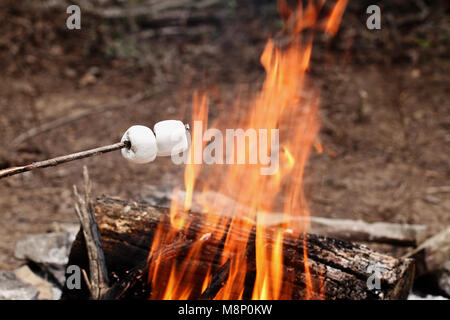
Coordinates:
<point>339,269</point>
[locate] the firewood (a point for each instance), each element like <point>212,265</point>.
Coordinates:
<point>435,252</point>
<point>396,234</point>
<point>217,282</point>
<point>339,269</point>
<point>432,259</point>
<point>380,232</point>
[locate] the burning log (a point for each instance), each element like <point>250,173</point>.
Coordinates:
<point>336,269</point>
<point>398,234</point>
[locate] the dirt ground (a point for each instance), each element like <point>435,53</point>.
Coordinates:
<point>385,119</point>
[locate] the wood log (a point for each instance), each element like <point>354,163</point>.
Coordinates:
<point>398,234</point>
<point>361,231</point>
<point>435,252</point>
<point>432,261</point>
<point>338,269</point>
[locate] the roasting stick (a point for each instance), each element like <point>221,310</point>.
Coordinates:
<point>138,145</point>
<point>63,159</point>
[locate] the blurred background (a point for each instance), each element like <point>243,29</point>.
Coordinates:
<point>384,93</point>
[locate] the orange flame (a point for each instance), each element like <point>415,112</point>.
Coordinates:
<point>334,21</point>
<point>192,168</point>
<point>237,199</point>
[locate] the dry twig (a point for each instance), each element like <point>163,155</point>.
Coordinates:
<point>98,283</point>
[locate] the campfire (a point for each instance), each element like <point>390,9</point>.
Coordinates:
<point>255,150</point>
<point>283,103</point>
<point>222,238</point>
<point>240,223</point>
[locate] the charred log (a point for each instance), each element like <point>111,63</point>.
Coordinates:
<point>338,269</point>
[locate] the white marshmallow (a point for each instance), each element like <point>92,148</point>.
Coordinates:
<point>143,147</point>
<point>170,137</point>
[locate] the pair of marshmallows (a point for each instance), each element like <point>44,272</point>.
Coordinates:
<point>169,139</point>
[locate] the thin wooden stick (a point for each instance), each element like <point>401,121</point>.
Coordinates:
<point>63,159</point>
<point>98,283</point>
